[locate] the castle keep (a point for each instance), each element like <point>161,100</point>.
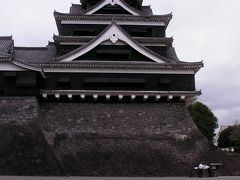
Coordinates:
<point>106,98</point>
<point>105,49</point>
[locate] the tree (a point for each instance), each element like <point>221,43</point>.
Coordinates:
<point>224,138</point>
<point>204,119</point>
<point>230,137</point>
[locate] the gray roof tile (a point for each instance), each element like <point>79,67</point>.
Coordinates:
<point>30,55</point>
<point>126,4</point>
<point>171,54</point>
<point>146,10</point>
<point>76,9</point>
<point>6,45</point>
<point>139,1</point>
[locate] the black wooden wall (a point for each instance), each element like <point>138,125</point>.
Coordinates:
<point>29,83</point>
<point>148,82</point>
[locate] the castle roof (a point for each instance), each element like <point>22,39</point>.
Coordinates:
<point>36,58</point>
<point>6,46</point>
<point>64,17</point>
<point>39,58</point>
<point>120,66</point>
<point>34,54</point>
<point>77,9</point>
<point>121,3</point>
<point>83,2</point>
<point>117,33</point>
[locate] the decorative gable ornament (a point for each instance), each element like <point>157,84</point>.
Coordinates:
<point>113,2</point>
<point>114,38</point>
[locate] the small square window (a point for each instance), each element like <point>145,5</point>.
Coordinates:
<point>63,81</point>
<point>10,75</point>
<point>26,79</point>
<point>164,84</point>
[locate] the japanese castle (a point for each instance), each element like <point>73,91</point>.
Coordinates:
<point>107,97</point>
<point>106,50</point>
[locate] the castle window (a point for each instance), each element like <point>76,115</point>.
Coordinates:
<point>25,79</point>
<point>164,84</point>
<point>84,32</point>
<point>63,81</point>
<point>10,75</point>
<point>112,10</point>
<point>113,54</point>
<point>114,82</point>
<point>145,32</point>
<point>1,83</point>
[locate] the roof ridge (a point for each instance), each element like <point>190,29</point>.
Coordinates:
<point>76,4</point>
<point>6,38</point>
<point>30,48</point>
<point>82,47</point>
<point>96,5</point>
<point>132,8</point>
<point>147,49</point>
<point>84,1</point>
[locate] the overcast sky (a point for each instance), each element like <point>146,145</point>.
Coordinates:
<point>206,30</point>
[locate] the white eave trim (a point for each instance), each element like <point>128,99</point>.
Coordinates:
<point>114,34</point>
<point>11,67</point>
<point>105,22</point>
<point>69,43</point>
<point>74,70</point>
<point>17,66</point>
<point>82,43</point>
<point>113,3</point>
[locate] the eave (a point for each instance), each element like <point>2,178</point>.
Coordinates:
<point>156,20</point>
<point>121,67</point>
<point>5,58</point>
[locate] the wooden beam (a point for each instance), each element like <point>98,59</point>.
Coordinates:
<point>120,97</point>
<point>133,97</point>
<point>95,97</point>
<point>57,96</point>
<point>108,96</point>
<point>170,97</point>
<point>45,96</point>
<point>158,97</point>
<point>70,96</point>
<point>145,97</point>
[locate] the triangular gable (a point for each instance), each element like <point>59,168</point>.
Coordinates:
<point>113,3</point>
<point>114,33</point>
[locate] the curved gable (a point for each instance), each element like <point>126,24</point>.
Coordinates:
<point>113,34</point>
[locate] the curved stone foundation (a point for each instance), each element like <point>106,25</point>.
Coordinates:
<point>23,148</point>
<point>94,139</point>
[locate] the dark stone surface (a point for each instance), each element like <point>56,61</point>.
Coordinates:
<point>23,149</point>
<point>123,139</point>
<point>94,139</point>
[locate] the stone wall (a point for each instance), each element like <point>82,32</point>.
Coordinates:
<point>94,139</point>
<point>123,139</point>
<point>23,149</point>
